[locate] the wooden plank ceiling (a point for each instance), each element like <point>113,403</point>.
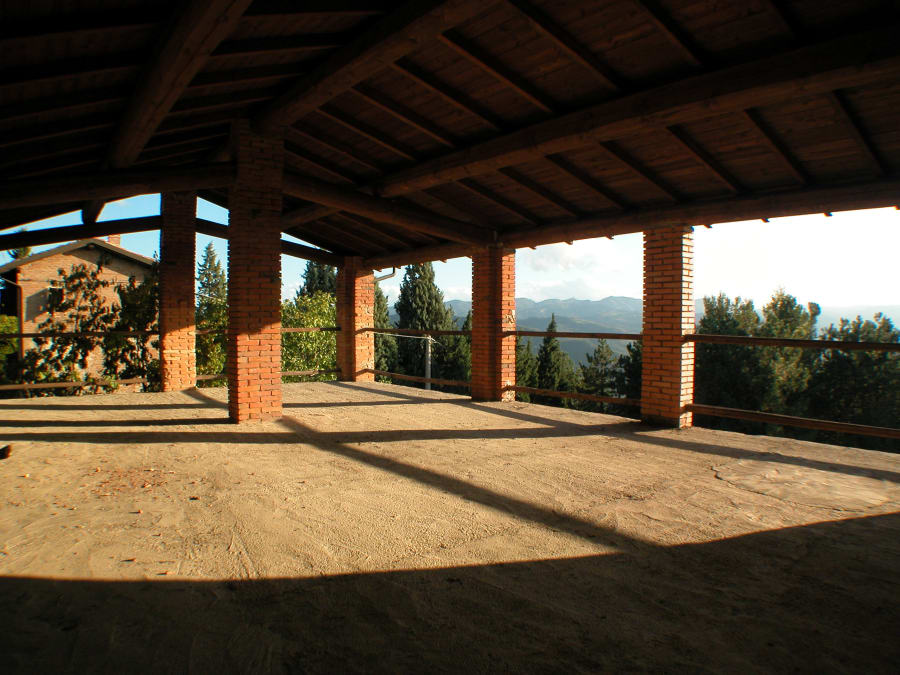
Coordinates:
<point>417,130</point>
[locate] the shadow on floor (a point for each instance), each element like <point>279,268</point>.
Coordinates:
<point>824,597</point>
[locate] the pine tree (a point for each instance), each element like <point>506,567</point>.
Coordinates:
<point>526,368</point>
<point>555,369</point>
<point>628,379</point>
<point>385,345</point>
<point>318,277</point>
<point>454,356</point>
<point>212,314</point>
<point>598,376</point>
<point>420,306</point>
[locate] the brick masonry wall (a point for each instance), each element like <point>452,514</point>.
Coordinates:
<point>177,313</point>
<point>668,362</point>
<point>355,310</point>
<point>254,276</point>
<point>493,312</point>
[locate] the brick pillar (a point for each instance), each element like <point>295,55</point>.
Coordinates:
<point>493,313</point>
<point>177,244</point>
<point>667,379</point>
<point>254,276</point>
<point>355,310</point>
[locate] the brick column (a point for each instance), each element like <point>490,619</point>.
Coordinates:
<point>493,312</point>
<point>177,245</point>
<point>254,276</point>
<point>667,379</point>
<point>355,310</point>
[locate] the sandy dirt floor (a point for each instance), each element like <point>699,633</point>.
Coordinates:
<point>386,529</point>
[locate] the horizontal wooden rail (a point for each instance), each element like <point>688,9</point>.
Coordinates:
<point>284,373</point>
<point>570,334</point>
<point>70,385</point>
<point>89,333</point>
<point>791,342</point>
<point>206,378</point>
<point>311,329</point>
<point>574,394</point>
<point>416,378</point>
<point>414,331</point>
<point>791,421</point>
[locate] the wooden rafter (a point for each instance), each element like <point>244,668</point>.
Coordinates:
<point>500,200</point>
<point>287,44</point>
<point>398,34</point>
<point>849,61</point>
<point>674,33</point>
<point>372,230</point>
<point>295,152</point>
<point>367,131</point>
<point>695,150</point>
<point>56,235</point>
<point>854,129</point>
<point>569,45</point>
<point>536,188</point>
<point>466,48</point>
<point>622,158</point>
<point>301,135</point>
<point>384,210</point>
<point>199,29</point>
<point>586,180</point>
<point>112,184</point>
<point>291,248</point>
<point>405,115</point>
<point>776,146</point>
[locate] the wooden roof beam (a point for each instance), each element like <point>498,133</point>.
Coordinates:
<point>405,115</point>
<point>414,24</point>
<point>198,30</point>
<point>56,235</point>
<point>112,185</point>
<point>854,129</point>
<point>372,230</point>
<point>302,135</point>
<point>536,188</point>
<point>465,48</point>
<point>624,159</point>
<point>588,181</point>
<point>671,30</point>
<point>567,44</point>
<point>384,210</point>
<point>366,131</point>
<point>855,60</point>
<point>213,229</point>
<point>703,158</point>
<point>500,200</point>
<point>779,149</point>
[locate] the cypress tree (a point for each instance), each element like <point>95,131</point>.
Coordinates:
<point>420,306</point>
<point>212,313</point>
<point>318,277</point>
<point>526,368</point>
<point>385,345</point>
<point>555,369</point>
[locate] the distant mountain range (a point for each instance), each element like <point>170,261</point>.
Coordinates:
<point>618,314</point>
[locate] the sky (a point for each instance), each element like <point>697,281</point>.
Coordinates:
<point>849,259</point>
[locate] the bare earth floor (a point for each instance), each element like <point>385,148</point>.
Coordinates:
<point>381,528</point>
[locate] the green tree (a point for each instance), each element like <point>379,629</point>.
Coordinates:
<point>212,314</point>
<point>526,368</point>
<point>790,367</point>
<point>9,348</point>
<point>21,251</point>
<point>733,376</point>
<point>126,357</point>
<point>555,369</point>
<point>861,387</point>
<point>318,277</point>
<point>628,378</point>
<point>420,306</point>
<point>385,345</point>
<point>314,350</point>
<point>598,376</point>
<point>80,308</point>
<point>454,356</point>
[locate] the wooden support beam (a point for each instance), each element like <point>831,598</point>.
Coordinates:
<point>671,30</point>
<point>294,152</point>
<point>778,148</point>
<point>500,200</point>
<point>452,96</point>
<point>797,202</point>
<point>854,129</point>
<point>113,185</point>
<point>542,192</point>
<point>415,24</point>
<point>91,210</point>
<point>418,255</point>
<point>368,132</point>
<point>856,60</point>
<point>467,49</point>
<point>291,248</point>
<point>385,210</point>
<point>306,214</point>
<point>586,180</point>
<point>568,45</point>
<point>405,115</point>
<point>706,160</point>
<point>289,44</point>
<point>373,230</point>
<point>624,159</point>
<point>56,235</point>
<point>197,31</point>
<point>304,135</point>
